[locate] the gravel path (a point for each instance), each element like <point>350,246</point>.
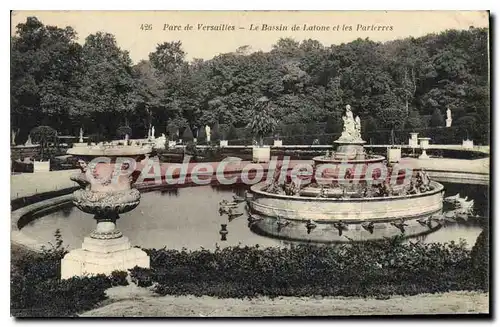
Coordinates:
<point>132,301</point>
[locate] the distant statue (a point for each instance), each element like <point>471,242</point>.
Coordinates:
<point>160,142</point>
<point>81,135</point>
<point>207,132</point>
<point>357,126</point>
<point>126,139</point>
<point>13,137</point>
<point>28,142</point>
<point>448,117</point>
<point>352,127</point>
<point>153,132</point>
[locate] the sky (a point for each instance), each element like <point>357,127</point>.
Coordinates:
<point>250,27</point>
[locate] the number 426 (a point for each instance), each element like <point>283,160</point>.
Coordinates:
<point>146,27</point>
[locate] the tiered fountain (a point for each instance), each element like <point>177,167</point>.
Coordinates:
<point>347,199</point>
<point>106,192</point>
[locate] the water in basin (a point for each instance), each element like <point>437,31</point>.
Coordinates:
<point>189,218</point>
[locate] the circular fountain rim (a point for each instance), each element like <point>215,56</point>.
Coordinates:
<point>257,188</point>
<point>370,159</point>
<point>110,151</point>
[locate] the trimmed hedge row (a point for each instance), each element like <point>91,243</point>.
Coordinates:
<point>371,269</point>
<point>360,269</point>
<point>38,291</point>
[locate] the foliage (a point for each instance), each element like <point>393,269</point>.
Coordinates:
<point>223,130</point>
<point>365,269</point>
<point>202,135</point>
<point>481,258</point>
<point>55,79</point>
<point>437,119</point>
<point>167,57</point>
<point>414,120</point>
<point>141,276</point>
<point>122,131</point>
<point>232,133</point>
<point>191,149</point>
<point>118,278</point>
<point>215,133</point>
<point>38,291</point>
<point>357,269</point>
<point>187,135</point>
<point>96,138</point>
<point>334,125</point>
<point>262,122</point>
<point>44,135</point>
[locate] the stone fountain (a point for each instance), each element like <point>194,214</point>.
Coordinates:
<point>106,191</point>
<point>348,198</point>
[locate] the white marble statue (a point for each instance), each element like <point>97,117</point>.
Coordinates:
<point>207,132</point>
<point>153,132</point>
<point>352,127</point>
<point>28,142</point>
<point>357,127</point>
<point>448,117</point>
<point>81,135</point>
<point>160,142</point>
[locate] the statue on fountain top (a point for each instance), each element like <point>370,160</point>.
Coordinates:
<point>352,128</point>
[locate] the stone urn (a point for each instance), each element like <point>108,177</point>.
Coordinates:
<point>106,191</point>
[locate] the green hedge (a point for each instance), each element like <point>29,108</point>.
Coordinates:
<point>38,291</point>
<point>364,269</point>
<point>371,269</point>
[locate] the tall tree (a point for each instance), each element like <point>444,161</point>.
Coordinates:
<point>109,91</point>
<point>45,75</point>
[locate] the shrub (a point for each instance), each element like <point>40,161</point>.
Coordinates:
<point>141,276</point>
<point>357,269</point>
<point>38,291</point>
<point>215,133</point>
<point>213,153</point>
<point>223,131</point>
<point>122,131</point>
<point>191,149</point>
<point>32,297</point>
<point>437,119</point>
<point>118,278</point>
<point>44,135</point>
<point>480,259</point>
<point>202,135</point>
<point>187,135</point>
<point>96,138</point>
<point>232,133</point>
<point>262,122</point>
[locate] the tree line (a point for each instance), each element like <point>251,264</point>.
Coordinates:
<point>405,84</point>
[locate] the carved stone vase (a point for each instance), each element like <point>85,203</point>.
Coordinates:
<point>106,191</point>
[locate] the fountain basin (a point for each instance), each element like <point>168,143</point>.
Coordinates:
<point>352,210</point>
<point>296,211</point>
<point>369,159</point>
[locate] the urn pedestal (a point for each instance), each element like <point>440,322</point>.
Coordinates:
<point>102,257</point>
<point>106,192</point>
<point>424,144</point>
<point>261,154</point>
